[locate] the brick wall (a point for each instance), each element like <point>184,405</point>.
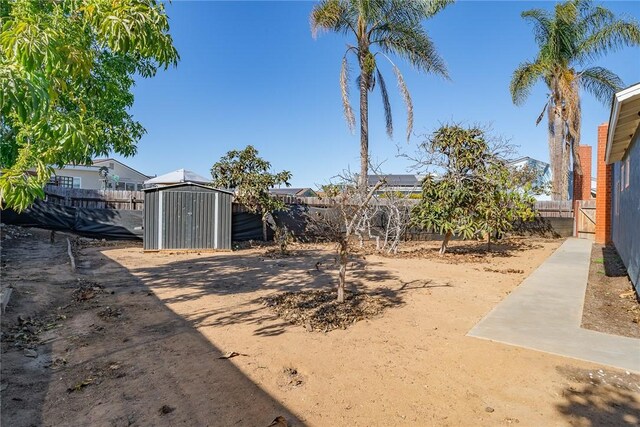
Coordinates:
<point>603,189</point>
<point>582,183</point>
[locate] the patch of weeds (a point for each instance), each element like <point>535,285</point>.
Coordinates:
<point>109,313</point>
<point>27,330</point>
<point>95,376</point>
<point>504,271</point>
<point>81,385</point>
<point>87,291</point>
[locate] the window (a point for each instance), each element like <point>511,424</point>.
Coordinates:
<point>61,181</point>
<point>77,182</point>
<point>130,186</point>
<point>622,175</point>
<point>627,169</point>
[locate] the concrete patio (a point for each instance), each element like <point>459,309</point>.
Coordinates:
<point>545,312</point>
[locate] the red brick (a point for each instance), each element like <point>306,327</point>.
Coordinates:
<point>603,189</point>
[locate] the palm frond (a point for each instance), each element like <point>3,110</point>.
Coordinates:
<point>542,23</point>
<point>332,15</point>
<point>344,90</point>
<point>544,109</point>
<point>386,104</point>
<point>596,17</point>
<point>524,77</point>
<point>411,44</point>
<point>609,38</point>
<point>601,83</point>
<point>407,100</point>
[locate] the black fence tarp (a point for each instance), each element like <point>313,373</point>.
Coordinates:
<point>127,224</point>
<point>113,223</point>
<point>101,223</point>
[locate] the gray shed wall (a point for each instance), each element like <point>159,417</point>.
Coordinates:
<point>187,217</point>
<point>625,212</point>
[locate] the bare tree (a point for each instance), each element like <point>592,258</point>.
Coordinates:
<point>396,209</point>
<point>346,216</point>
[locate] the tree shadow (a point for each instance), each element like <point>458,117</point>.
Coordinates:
<point>601,397</point>
<point>598,405</point>
<point>255,276</point>
<point>148,366</point>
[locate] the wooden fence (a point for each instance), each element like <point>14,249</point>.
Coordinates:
<point>134,200</point>
<point>552,209</point>
<point>547,209</point>
<point>100,199</point>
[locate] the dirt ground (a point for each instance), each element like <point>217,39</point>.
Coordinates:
<point>137,339</point>
<point>610,303</point>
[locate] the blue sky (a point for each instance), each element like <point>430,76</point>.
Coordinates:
<point>251,73</point>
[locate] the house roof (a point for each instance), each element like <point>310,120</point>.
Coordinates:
<point>623,122</point>
<point>176,177</point>
<point>289,191</point>
<point>397,180</point>
<point>100,161</point>
<point>525,159</point>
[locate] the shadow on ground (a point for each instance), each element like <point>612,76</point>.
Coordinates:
<point>256,276</point>
<point>141,364</point>
<point>600,406</point>
<point>601,397</point>
<point>613,265</point>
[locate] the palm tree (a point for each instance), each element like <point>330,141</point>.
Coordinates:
<point>381,28</point>
<point>575,34</point>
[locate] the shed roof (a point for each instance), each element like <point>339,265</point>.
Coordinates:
<point>183,184</point>
<point>178,176</point>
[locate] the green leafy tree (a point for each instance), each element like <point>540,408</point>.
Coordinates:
<point>66,72</point>
<point>505,200</point>
<point>574,35</point>
<point>470,190</point>
<point>380,28</point>
<point>250,177</point>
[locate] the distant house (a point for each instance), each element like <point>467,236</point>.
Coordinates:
<point>544,172</point>
<point>402,183</point>
<point>293,192</point>
<point>102,174</point>
<point>618,211</point>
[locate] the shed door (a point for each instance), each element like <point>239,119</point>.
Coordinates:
<point>189,220</point>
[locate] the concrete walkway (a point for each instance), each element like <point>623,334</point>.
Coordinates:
<point>545,312</point>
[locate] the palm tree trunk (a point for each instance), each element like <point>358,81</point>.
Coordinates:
<point>555,154</point>
<point>566,161</point>
<point>364,130</point>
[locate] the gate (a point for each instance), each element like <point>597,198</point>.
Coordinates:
<point>586,219</point>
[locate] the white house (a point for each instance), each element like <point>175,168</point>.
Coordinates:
<point>102,174</point>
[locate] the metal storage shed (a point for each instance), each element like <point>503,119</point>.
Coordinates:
<point>187,216</point>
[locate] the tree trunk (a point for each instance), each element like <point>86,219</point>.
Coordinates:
<point>445,242</point>
<point>556,142</point>
<point>566,161</point>
<point>264,229</point>
<point>342,274</point>
<point>364,129</point>
<point>489,242</point>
